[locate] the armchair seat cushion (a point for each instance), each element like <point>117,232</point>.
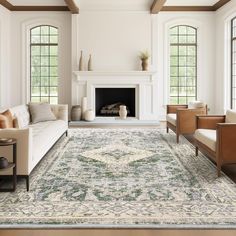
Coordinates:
<point>171,118</point>
<point>207,137</point>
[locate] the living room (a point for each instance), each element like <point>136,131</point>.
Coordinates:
<point>117,117</point>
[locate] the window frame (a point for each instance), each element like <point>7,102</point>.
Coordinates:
<point>233,39</point>
<point>178,44</point>
<point>30,62</point>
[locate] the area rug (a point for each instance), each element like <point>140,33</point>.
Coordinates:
<point>122,178</point>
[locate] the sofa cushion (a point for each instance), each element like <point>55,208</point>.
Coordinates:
<point>171,118</point>
<point>207,137</point>
<point>41,112</point>
<point>196,104</point>
<point>44,135</point>
<point>6,120</point>
<point>22,114</point>
<point>230,116</point>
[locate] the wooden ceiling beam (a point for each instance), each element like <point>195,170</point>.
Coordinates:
<point>6,4</point>
<point>220,4</point>
<point>187,8</point>
<point>157,5</point>
<point>72,6</point>
<point>40,8</point>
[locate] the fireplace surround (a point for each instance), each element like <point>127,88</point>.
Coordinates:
<point>142,83</point>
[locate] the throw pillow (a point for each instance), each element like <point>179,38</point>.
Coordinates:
<point>6,120</point>
<point>41,112</point>
<point>196,104</point>
<point>230,116</point>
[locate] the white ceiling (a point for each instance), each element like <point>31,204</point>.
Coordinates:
<point>37,2</point>
<point>191,2</point>
<point>93,3</point>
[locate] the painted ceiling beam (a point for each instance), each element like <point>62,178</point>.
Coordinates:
<point>157,5</point>
<point>72,6</point>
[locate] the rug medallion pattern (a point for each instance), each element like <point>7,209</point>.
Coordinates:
<point>128,177</point>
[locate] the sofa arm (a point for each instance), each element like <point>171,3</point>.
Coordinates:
<point>209,121</point>
<point>186,119</point>
<point>174,108</point>
<point>24,148</point>
<point>60,111</point>
<point>226,137</point>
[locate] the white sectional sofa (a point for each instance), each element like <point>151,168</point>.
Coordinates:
<point>33,140</point>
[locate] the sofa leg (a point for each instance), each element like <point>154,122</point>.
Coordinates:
<point>196,151</point>
<point>167,129</point>
<point>177,138</point>
<point>67,133</point>
<point>27,183</point>
<point>218,170</point>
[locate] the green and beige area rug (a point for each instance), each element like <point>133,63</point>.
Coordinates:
<point>122,178</point>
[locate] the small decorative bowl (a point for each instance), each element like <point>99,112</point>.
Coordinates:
<point>3,162</point>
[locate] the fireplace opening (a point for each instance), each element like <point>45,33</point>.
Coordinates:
<point>108,101</point>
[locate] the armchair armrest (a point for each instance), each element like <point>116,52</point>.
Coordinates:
<point>174,108</point>
<point>24,148</point>
<point>186,123</point>
<point>209,121</point>
<point>226,136</point>
<point>60,111</point>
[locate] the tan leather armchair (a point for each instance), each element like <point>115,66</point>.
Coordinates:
<point>181,119</point>
<point>216,137</point>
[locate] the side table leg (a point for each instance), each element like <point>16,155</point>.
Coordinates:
<point>27,183</point>
<point>15,168</point>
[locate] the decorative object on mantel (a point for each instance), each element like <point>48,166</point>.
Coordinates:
<point>89,115</point>
<point>76,113</point>
<point>123,112</point>
<point>81,62</point>
<point>144,56</point>
<point>84,106</point>
<point>90,65</point>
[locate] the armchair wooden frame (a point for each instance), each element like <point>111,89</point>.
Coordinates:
<point>225,140</point>
<point>185,119</point>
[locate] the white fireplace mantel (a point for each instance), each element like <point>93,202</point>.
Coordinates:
<point>114,73</point>
<point>144,82</point>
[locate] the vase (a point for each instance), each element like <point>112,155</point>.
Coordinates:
<point>89,115</point>
<point>76,113</point>
<point>144,64</point>
<point>90,65</point>
<point>84,106</point>
<point>81,62</point>
<point>123,112</point>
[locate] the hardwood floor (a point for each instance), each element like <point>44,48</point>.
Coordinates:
<point>114,232</point>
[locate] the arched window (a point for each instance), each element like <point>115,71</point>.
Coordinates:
<point>44,64</point>
<point>233,64</point>
<point>183,64</point>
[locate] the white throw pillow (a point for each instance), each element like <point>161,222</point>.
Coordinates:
<point>196,104</point>
<point>21,113</point>
<point>230,116</point>
<point>41,112</point>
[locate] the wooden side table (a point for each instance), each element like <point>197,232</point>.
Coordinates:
<point>12,165</point>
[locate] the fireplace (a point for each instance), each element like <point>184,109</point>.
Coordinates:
<point>108,100</point>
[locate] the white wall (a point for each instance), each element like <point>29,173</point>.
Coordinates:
<point>114,38</point>
<point>223,56</point>
<point>5,21</point>
<point>21,22</point>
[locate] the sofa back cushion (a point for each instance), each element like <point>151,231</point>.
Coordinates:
<point>21,113</point>
<point>41,112</point>
<point>196,104</point>
<point>230,116</point>
<point>6,120</point>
